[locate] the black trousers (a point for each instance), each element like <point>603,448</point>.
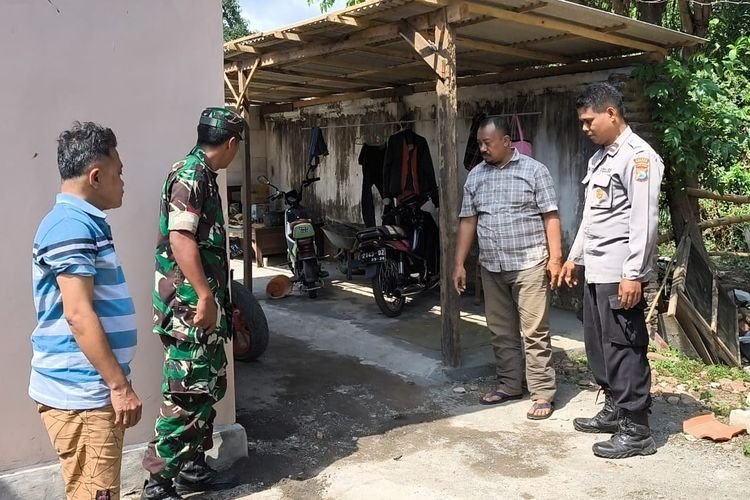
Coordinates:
<point>616,346</point>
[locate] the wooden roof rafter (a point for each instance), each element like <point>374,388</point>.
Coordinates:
<point>506,34</point>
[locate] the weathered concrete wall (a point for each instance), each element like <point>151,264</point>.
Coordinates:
<point>555,133</point>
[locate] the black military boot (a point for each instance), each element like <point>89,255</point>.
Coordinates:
<point>603,422</point>
<point>196,475</point>
<point>157,488</point>
<point>633,437</point>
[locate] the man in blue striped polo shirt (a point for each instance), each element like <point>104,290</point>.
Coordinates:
<point>86,333</point>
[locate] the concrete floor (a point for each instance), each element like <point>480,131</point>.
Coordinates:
<point>353,323</point>
<point>341,408</point>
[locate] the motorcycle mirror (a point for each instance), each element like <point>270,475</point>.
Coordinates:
<point>263,180</point>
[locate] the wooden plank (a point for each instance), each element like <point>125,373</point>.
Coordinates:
<point>316,77</point>
<point>247,180</point>
<point>685,318</point>
<point>715,307</point>
<point>726,328</point>
<point>231,88</point>
<point>531,19</point>
<point>729,198</point>
<point>425,48</point>
<point>367,36</point>
<point>350,21</point>
<point>724,221</point>
<point>413,56</point>
<point>293,37</point>
<point>709,336</point>
<point>447,114</point>
<point>495,48</point>
<point>349,96</point>
<point>729,254</point>
<point>245,49</point>
<point>531,6</point>
<point>510,75</point>
<point>253,69</point>
<point>414,69</point>
<point>676,336</point>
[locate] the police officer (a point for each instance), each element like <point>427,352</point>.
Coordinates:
<point>191,303</point>
<point>616,243</point>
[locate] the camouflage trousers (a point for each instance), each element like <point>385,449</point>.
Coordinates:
<point>194,379</point>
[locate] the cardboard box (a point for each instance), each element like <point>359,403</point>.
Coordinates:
<point>259,193</point>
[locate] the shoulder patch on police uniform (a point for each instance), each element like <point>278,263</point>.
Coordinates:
<point>642,165</point>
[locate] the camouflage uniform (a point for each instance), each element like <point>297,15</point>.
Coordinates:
<point>194,372</point>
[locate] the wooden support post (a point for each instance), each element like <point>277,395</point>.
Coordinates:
<point>247,179</point>
<point>246,84</point>
<point>447,113</point>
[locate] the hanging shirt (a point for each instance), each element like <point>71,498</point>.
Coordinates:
<point>408,167</point>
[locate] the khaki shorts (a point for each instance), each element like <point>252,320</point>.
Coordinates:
<point>90,449</point>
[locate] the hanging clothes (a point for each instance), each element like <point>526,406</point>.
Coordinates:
<point>472,156</point>
<point>318,147</point>
<point>408,168</point>
<point>371,158</point>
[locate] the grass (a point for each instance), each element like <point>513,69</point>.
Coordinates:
<point>580,359</point>
<point>720,409</point>
<point>746,449</point>
<point>690,371</point>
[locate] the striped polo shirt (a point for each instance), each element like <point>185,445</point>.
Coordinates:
<point>75,239</point>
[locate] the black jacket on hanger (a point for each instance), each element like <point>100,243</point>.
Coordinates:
<point>408,167</point>
<point>318,147</point>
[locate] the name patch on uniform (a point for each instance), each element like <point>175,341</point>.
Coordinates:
<point>641,168</point>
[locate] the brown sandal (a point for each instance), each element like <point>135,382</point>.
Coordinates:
<point>540,406</point>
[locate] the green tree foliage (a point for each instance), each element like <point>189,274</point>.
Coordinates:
<point>702,110</point>
<point>235,25</point>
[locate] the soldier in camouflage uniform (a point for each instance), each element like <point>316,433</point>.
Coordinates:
<point>191,309</point>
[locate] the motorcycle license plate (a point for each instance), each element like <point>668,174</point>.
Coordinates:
<point>372,256</point>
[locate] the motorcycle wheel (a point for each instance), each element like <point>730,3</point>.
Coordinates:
<point>250,328</point>
<point>383,285</point>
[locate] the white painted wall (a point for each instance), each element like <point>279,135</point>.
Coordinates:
<point>144,68</point>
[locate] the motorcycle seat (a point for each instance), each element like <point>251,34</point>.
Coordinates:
<point>298,222</point>
<point>382,233</point>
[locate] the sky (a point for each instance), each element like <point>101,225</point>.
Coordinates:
<point>263,15</point>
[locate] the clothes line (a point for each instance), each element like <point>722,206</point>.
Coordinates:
<point>397,122</point>
<point>400,122</point>
<point>530,113</point>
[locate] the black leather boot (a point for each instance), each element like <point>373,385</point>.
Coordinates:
<point>196,475</point>
<point>633,438</point>
<point>603,422</point>
<point>157,488</point>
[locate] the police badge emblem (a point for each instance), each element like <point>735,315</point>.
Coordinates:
<point>641,168</point>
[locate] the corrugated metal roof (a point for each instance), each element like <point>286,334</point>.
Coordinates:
<point>359,48</point>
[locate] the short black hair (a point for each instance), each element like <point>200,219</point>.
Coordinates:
<point>212,136</point>
<point>600,96</point>
<point>82,145</point>
<point>501,125</point>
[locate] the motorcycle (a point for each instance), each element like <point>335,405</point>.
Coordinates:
<point>402,256</point>
<point>300,237</point>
